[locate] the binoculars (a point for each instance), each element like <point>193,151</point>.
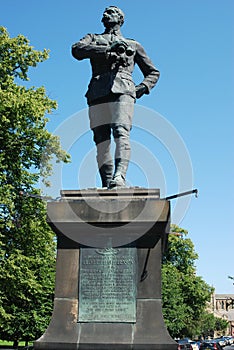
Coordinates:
<point>121,47</point>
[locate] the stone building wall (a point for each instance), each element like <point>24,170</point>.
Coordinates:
<point>222,305</point>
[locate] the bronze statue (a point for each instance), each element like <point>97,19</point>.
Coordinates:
<point>112,93</point>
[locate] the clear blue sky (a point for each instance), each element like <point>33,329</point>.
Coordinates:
<point>188,141</point>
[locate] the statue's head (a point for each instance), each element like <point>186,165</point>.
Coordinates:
<point>112,16</point>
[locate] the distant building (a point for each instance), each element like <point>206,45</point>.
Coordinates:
<point>222,305</point>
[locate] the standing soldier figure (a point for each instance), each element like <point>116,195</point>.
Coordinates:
<point>111,93</point>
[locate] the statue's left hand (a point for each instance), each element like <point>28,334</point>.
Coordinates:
<point>141,89</point>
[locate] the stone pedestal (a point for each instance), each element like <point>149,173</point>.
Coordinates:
<point>110,245</point>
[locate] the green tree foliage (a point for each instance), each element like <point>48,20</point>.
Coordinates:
<point>208,323</point>
<point>221,325</point>
<point>185,295</point>
<point>27,255</point>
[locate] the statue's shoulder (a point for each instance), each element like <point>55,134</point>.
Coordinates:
<point>132,41</point>
<point>98,35</point>
<point>91,37</point>
<point>88,36</point>
<point>100,39</point>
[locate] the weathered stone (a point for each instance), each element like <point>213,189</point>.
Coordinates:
<point>109,218</point>
<point>141,328</point>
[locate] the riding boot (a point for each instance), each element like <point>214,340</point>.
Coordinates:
<point>106,173</point>
<point>118,180</point>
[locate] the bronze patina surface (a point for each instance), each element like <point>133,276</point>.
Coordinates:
<point>107,285</point>
<point>112,92</point>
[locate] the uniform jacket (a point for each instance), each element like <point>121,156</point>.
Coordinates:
<point>109,75</point>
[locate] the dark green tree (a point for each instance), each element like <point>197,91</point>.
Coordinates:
<point>208,323</point>
<point>221,325</point>
<point>27,255</point>
<point>185,295</point>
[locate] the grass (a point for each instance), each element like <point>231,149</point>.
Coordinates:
<point>10,343</point>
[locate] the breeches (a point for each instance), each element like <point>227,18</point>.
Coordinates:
<point>112,118</point>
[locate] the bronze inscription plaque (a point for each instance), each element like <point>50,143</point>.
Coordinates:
<point>107,285</point>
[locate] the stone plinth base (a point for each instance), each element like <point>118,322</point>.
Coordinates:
<point>135,220</point>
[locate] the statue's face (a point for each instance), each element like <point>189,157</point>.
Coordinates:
<point>111,17</point>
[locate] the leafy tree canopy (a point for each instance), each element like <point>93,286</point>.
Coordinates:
<point>27,255</point>
<point>185,295</point>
